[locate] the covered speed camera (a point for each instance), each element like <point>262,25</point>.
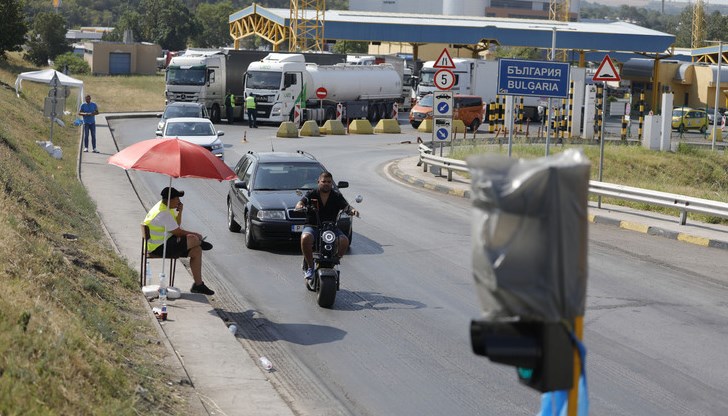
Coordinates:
<point>529,242</point>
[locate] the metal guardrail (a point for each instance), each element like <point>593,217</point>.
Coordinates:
<point>684,204</point>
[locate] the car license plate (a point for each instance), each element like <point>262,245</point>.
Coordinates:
<point>297,228</point>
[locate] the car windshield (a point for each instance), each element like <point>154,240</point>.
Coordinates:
<point>678,112</point>
<point>189,128</point>
<point>185,111</point>
<point>286,176</point>
<point>263,80</point>
<point>425,101</point>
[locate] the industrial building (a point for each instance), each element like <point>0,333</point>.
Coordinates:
<point>520,9</point>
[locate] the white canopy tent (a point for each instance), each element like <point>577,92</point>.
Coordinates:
<point>45,76</point>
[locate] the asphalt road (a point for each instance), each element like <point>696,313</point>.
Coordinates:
<point>397,342</point>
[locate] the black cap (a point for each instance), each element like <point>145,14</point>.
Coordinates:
<point>172,193</point>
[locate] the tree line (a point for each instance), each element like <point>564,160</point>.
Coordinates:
<point>37,28</point>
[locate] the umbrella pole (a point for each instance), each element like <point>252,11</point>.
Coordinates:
<point>164,248</point>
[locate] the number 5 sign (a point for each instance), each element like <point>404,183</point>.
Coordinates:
<point>444,79</point>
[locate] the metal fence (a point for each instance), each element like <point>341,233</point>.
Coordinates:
<point>684,204</point>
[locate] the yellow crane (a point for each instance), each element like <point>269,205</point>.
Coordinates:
<point>698,32</point>
<point>307,25</point>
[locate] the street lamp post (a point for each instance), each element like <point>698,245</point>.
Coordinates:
<point>718,93</point>
<point>548,121</point>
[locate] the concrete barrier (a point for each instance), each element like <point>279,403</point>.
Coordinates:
<point>333,127</point>
<point>310,128</point>
<point>360,127</point>
<point>287,129</point>
<point>425,126</point>
<point>387,125</point>
<point>458,126</point>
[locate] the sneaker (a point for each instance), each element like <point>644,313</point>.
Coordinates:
<point>308,274</point>
<point>205,245</point>
<point>85,149</point>
<point>96,150</point>
<point>201,288</point>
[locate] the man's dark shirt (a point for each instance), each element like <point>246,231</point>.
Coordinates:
<point>328,212</point>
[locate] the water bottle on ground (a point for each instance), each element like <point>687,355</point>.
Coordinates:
<point>266,363</point>
<point>148,274</point>
<point>163,315</point>
<point>162,287</point>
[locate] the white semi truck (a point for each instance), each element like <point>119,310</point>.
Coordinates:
<point>280,81</point>
<point>206,75</point>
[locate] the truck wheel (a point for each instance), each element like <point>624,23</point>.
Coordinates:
<point>383,111</point>
<point>215,113</point>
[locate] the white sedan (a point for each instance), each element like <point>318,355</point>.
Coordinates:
<point>195,130</point>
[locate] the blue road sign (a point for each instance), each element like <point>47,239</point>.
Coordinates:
<point>533,78</point>
<point>443,133</point>
<point>443,108</point>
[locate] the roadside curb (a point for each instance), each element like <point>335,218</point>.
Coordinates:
<point>722,244</point>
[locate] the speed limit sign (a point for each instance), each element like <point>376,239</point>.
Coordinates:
<point>444,79</point>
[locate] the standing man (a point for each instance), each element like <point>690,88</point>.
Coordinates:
<point>89,110</point>
<point>250,106</point>
<point>164,220</point>
<point>230,106</point>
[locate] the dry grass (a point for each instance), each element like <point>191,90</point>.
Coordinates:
<point>75,336</point>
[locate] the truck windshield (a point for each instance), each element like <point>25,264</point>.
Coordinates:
<point>263,80</point>
<point>427,78</point>
<point>188,76</point>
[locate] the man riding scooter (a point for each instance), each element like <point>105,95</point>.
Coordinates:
<point>329,202</point>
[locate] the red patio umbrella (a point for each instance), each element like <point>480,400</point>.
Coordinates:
<point>175,158</point>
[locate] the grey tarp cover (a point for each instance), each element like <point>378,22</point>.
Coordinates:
<point>529,235</point>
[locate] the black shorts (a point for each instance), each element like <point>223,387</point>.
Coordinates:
<point>176,247</point>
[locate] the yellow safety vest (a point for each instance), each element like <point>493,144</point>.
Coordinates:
<point>250,102</point>
<point>232,100</point>
<point>156,233</point>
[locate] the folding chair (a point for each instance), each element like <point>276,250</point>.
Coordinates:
<point>145,254</point>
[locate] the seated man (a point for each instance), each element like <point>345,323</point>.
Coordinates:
<point>167,214</point>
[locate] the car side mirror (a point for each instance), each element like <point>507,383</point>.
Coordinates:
<point>342,184</point>
<point>241,185</point>
<point>220,133</point>
<point>159,115</point>
<point>159,133</point>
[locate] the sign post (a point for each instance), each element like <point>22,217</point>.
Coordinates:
<point>442,100</point>
<point>605,72</point>
<point>534,78</point>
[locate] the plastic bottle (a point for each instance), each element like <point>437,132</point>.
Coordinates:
<point>163,315</point>
<point>148,274</point>
<point>162,287</point>
<point>266,363</point>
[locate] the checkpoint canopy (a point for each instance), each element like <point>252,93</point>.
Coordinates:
<point>530,235</point>
<point>45,76</point>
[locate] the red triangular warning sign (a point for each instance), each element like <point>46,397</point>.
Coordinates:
<point>606,71</point>
<point>444,60</point>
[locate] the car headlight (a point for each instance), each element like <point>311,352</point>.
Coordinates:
<point>216,145</point>
<point>429,114</point>
<point>328,236</point>
<point>271,214</point>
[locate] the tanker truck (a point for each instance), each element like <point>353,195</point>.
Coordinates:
<point>205,76</point>
<point>280,81</point>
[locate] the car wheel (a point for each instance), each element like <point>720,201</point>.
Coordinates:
<point>249,239</point>
<point>232,224</point>
<point>474,125</point>
<point>681,128</point>
<point>704,129</point>
<point>415,124</point>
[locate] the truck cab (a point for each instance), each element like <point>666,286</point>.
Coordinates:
<point>276,82</point>
<point>462,72</point>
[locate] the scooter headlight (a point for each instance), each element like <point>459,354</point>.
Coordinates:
<point>328,237</point>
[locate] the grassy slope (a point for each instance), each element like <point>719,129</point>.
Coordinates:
<point>75,338</point>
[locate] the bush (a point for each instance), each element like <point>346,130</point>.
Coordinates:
<point>76,64</point>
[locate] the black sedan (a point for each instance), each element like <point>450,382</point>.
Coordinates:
<point>261,200</point>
